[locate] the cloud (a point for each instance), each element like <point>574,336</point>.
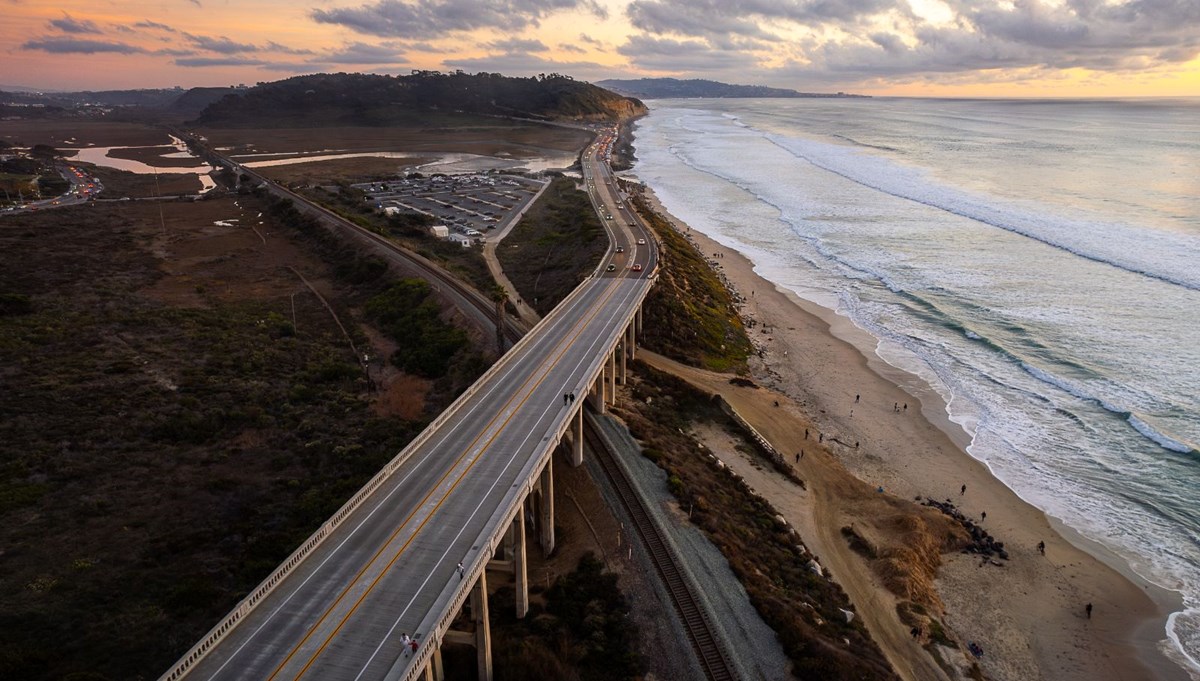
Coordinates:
<point>273,46</point>
<point>747,18</point>
<point>859,41</point>
<point>694,56</point>
<point>80,46</point>
<point>585,38</point>
<point>221,45</point>
<point>201,62</point>
<point>424,19</point>
<point>568,47</point>
<point>155,26</point>
<point>518,45</point>
<point>362,53</point>
<point>69,24</point>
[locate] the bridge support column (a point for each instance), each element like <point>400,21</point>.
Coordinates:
<point>435,665</point>
<point>631,341</point>
<point>624,369</point>
<point>483,634</point>
<point>519,564</point>
<point>546,523</point>
<point>597,392</point>
<point>577,440</point>
<point>612,377</point>
<point>639,320</point>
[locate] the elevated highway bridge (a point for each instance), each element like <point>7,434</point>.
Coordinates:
<point>410,552</point>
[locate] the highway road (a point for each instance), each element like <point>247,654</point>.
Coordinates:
<point>389,566</point>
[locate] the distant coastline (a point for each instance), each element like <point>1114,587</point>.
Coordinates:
<point>674,88</point>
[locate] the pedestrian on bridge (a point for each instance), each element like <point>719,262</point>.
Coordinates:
<point>461,570</point>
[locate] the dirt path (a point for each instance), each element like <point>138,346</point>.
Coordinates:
<point>819,512</point>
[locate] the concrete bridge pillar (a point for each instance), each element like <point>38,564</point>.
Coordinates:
<point>519,563</point>
<point>577,438</point>
<point>435,671</point>
<point>631,341</point>
<point>639,320</point>
<point>621,349</point>
<point>483,634</point>
<point>546,482</point>
<point>596,394</point>
<point>612,377</point>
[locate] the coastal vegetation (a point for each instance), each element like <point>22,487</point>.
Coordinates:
<point>556,244</point>
<point>695,316</point>
<point>181,410</point>
<point>578,629</point>
<point>792,594</point>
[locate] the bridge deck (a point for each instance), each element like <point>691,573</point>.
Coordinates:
<point>339,615</point>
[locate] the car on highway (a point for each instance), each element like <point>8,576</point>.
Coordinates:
<point>637,267</point>
<point>620,249</point>
<point>641,242</point>
<point>611,267</point>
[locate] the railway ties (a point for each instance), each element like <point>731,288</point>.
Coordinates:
<point>699,630</point>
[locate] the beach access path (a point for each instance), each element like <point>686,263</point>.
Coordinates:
<point>1028,616</point>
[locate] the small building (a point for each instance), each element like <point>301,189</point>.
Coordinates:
<point>439,231</point>
<point>462,239</point>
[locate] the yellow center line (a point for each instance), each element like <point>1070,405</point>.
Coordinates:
<point>562,348</point>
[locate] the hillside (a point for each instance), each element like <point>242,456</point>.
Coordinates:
<point>669,88</point>
<point>361,99</point>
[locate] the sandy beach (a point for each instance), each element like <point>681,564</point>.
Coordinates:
<point>1027,613</point>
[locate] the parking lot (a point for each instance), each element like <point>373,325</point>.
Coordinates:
<point>467,204</point>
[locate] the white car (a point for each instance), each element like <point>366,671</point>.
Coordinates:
<point>641,242</point>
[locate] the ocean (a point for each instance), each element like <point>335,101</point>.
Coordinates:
<point>1036,262</point>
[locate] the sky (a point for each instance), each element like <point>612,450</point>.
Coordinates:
<point>937,48</point>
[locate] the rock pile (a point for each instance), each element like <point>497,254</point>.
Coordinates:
<point>982,543</point>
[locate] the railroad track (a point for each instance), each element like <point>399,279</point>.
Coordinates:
<point>700,631</point>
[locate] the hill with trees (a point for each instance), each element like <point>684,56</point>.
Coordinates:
<point>364,99</point>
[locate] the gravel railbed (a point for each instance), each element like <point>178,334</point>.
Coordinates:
<point>750,643</point>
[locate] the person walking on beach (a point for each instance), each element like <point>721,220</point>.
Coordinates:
<point>856,398</point>
<point>1042,547</point>
<point>806,433</point>
<point>1088,608</point>
<point>962,491</point>
<point>982,516</point>
<point>821,437</point>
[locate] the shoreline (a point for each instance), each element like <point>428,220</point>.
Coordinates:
<point>1029,612</point>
